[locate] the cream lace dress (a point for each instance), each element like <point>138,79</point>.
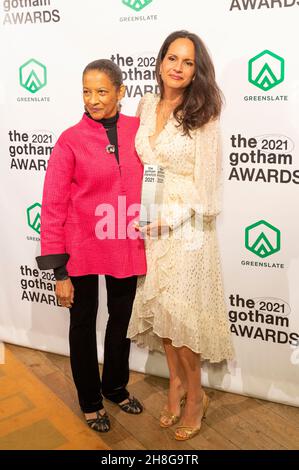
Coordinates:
<point>181,297</point>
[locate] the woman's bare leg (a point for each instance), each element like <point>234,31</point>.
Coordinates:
<point>193,411</point>
<point>177,381</point>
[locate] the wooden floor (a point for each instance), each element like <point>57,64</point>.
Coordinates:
<point>233,421</point>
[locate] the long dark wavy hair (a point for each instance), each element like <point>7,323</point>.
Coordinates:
<point>202,99</point>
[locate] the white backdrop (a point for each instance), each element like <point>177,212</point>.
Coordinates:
<point>44,47</point>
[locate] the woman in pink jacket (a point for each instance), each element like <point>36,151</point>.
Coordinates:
<point>90,202</point>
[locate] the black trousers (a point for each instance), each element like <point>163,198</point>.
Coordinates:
<point>83,342</point>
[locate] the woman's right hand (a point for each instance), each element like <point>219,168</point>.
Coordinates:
<point>64,291</point>
<point>154,229</point>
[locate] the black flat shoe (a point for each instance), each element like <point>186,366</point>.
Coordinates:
<point>132,405</point>
<point>100,424</point>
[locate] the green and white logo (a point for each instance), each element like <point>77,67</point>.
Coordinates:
<point>266,70</point>
<point>136,5</point>
<point>33,75</point>
<point>262,239</point>
<point>33,217</point>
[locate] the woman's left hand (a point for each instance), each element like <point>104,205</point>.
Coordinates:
<point>64,291</point>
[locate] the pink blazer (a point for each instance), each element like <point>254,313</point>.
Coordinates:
<point>81,177</point>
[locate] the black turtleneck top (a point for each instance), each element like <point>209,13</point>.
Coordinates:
<point>110,125</point>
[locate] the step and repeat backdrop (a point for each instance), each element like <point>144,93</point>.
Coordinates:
<point>45,44</point>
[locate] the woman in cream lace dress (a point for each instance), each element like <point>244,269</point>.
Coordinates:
<point>179,306</point>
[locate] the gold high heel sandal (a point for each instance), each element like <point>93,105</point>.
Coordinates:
<point>172,419</point>
<point>191,431</point>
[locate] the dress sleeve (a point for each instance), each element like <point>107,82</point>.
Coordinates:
<point>143,106</point>
<point>139,107</point>
<point>207,170</point>
<point>56,196</point>
<point>205,199</point>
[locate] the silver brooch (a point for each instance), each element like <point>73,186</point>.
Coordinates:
<point>110,148</point>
